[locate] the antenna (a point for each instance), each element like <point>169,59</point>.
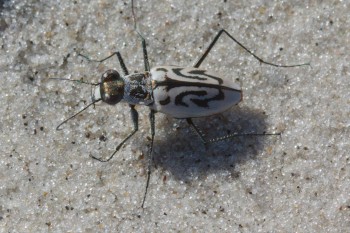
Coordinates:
<point>65,121</point>
<point>92,103</point>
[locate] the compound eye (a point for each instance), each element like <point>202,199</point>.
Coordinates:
<point>111,87</point>
<point>110,75</point>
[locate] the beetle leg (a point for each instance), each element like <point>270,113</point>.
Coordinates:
<point>134,117</point>
<point>144,48</point>
<point>196,130</point>
<point>228,136</point>
<point>150,154</point>
<point>120,59</point>
<point>211,45</point>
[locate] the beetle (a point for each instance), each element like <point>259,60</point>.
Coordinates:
<point>181,92</point>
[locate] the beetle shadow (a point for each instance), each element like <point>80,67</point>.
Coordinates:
<point>184,155</point>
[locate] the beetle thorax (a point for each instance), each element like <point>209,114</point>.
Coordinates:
<point>138,89</point>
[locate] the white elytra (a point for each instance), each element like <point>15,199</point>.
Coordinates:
<point>192,92</point>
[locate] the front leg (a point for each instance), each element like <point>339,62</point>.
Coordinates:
<point>135,120</point>
<point>119,56</point>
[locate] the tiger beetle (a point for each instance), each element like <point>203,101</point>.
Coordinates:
<point>180,92</point>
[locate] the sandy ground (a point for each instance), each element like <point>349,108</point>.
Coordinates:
<point>298,182</point>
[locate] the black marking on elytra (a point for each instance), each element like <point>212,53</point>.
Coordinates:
<point>200,75</point>
<point>165,101</point>
<point>162,69</point>
<point>202,72</point>
<point>204,102</point>
<point>171,83</point>
<point>179,97</point>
